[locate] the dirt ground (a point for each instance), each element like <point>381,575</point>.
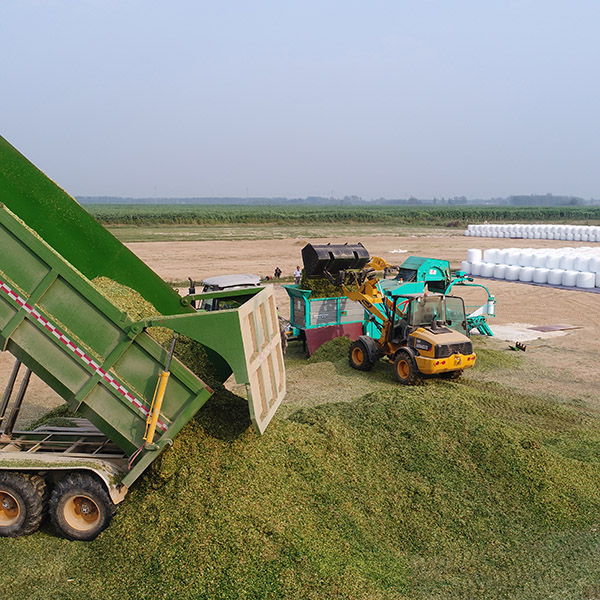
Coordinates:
<point>561,364</point>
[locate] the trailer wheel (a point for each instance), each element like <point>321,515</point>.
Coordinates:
<point>80,508</point>
<point>21,503</point>
<point>359,357</point>
<point>405,368</point>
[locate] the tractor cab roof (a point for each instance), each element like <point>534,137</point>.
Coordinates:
<point>227,282</point>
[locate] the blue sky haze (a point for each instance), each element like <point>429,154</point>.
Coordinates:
<point>279,98</point>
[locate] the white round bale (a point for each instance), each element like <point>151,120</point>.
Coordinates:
<point>526,274</point>
<point>567,262</point>
<point>487,269</point>
<point>555,276</point>
<point>512,272</point>
<point>490,255</point>
<point>582,262</point>
<point>541,275</point>
<point>499,271</point>
<point>569,278</point>
<point>586,280</point>
<point>476,268</point>
<point>474,255</point>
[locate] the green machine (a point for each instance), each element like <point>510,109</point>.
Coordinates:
<point>418,273</point>
<point>131,395</point>
<point>418,270</point>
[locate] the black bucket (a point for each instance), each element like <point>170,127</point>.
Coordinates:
<point>333,258</point>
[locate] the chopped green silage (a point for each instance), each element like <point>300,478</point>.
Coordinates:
<point>57,417</point>
<point>125,299</point>
<point>447,490</point>
<point>489,359</point>
<point>332,351</point>
<point>322,287</point>
<point>189,352</point>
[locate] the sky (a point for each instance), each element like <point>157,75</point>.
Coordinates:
<point>270,98</point>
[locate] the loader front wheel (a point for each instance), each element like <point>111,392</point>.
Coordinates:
<point>359,357</point>
<point>21,503</point>
<point>80,507</point>
<point>405,368</point>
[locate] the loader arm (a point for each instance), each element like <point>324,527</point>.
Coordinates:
<point>367,300</point>
<point>380,264</point>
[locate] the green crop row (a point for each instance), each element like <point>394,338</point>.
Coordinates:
<point>163,214</point>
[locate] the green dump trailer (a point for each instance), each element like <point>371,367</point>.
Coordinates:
<point>57,325</point>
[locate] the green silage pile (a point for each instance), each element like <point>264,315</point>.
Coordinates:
<point>446,491</point>
<point>456,490</point>
<point>332,351</point>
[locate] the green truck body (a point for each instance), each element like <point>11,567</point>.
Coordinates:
<point>105,366</point>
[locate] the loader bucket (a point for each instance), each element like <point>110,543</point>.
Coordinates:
<point>333,258</point>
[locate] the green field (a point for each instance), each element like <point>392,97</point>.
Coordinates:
<point>430,216</point>
<point>143,223</point>
<point>263,231</point>
<point>466,489</point>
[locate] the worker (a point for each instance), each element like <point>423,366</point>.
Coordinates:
<point>297,275</point>
<point>277,273</point>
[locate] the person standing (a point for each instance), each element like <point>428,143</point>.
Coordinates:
<point>297,275</point>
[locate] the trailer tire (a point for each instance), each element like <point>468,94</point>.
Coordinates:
<point>405,368</point>
<point>80,508</point>
<point>22,503</point>
<point>359,357</point>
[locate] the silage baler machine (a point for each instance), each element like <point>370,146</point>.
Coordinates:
<point>130,394</point>
<point>418,274</point>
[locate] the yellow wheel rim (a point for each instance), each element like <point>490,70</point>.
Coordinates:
<point>81,513</point>
<point>9,509</point>
<point>403,368</point>
<point>357,356</point>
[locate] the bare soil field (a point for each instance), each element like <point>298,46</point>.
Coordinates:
<point>562,365</point>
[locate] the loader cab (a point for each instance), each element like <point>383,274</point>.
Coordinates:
<point>434,312</point>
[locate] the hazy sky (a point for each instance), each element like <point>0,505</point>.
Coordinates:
<point>278,98</point>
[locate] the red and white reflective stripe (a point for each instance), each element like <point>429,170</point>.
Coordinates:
<point>77,351</point>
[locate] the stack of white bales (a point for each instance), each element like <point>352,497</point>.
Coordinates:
<point>569,267</point>
<point>571,233</point>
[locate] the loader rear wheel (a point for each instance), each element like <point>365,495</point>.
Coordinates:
<point>80,507</point>
<point>405,368</point>
<point>359,357</point>
<point>21,503</point>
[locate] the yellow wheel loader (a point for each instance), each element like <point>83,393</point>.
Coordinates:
<point>420,334</point>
